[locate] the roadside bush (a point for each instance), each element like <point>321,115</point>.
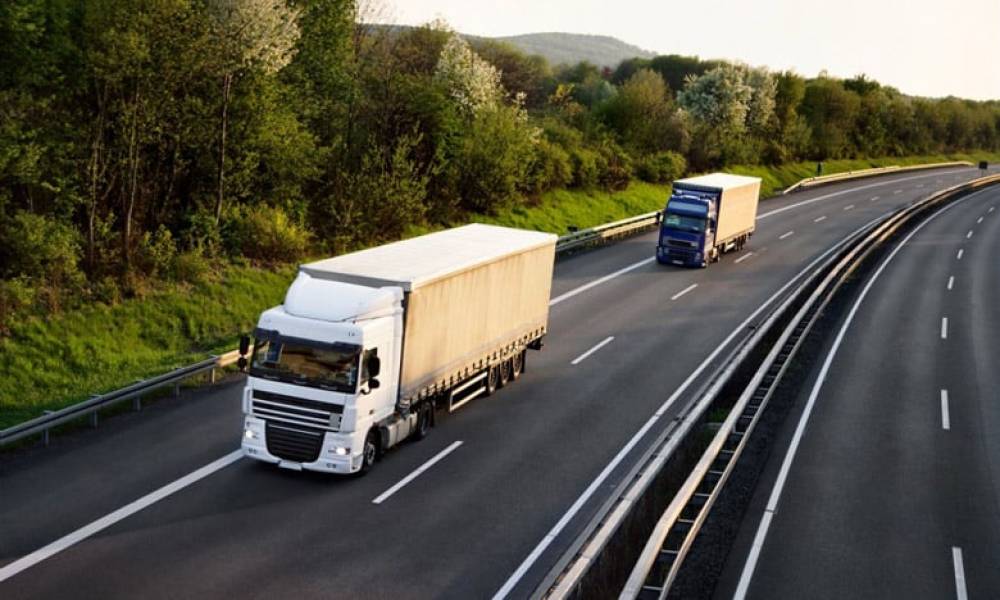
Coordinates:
<point>662,167</point>
<point>191,267</point>
<point>16,295</point>
<point>155,252</point>
<point>44,252</point>
<point>263,233</point>
<point>551,168</point>
<point>616,166</point>
<point>586,167</point>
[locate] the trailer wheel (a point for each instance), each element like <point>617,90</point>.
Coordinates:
<point>423,422</point>
<point>517,365</point>
<point>492,375</point>
<point>505,368</point>
<point>369,453</point>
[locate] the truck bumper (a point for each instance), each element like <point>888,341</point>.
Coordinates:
<point>670,256</point>
<point>254,445</point>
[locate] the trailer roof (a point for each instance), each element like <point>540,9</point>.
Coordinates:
<point>718,180</point>
<point>421,260</point>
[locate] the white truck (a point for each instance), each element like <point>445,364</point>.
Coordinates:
<point>368,344</point>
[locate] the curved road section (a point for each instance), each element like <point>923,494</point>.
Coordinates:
<point>156,505</point>
<point>890,484</point>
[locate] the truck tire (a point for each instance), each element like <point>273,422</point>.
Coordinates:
<point>423,422</point>
<point>492,375</point>
<point>505,368</point>
<point>517,365</point>
<point>369,453</point>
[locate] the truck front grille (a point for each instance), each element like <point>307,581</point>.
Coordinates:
<point>293,443</point>
<point>297,411</point>
<point>682,244</point>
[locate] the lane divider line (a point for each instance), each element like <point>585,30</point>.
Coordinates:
<point>110,519</point>
<point>818,219</point>
<point>991,209</point>
<point>849,207</point>
<point>597,282</point>
<point>684,291</point>
<point>944,328</point>
<point>430,463</point>
<point>897,191</point>
<point>945,417</point>
<point>956,558</point>
<point>583,357</point>
<point>968,236</point>
<point>951,282</point>
<point>979,220</point>
<point>772,503</point>
<point>958,256</point>
<point>742,258</point>
<point>875,198</point>
<point>784,235</point>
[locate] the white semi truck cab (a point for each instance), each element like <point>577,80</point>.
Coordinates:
<point>367,345</point>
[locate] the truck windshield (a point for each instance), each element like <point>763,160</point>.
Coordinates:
<point>684,222</point>
<point>330,367</point>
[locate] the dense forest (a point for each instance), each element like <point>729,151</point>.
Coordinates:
<point>148,141</point>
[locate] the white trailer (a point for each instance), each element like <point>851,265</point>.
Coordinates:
<point>368,344</point>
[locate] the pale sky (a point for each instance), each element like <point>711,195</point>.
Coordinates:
<point>922,47</point>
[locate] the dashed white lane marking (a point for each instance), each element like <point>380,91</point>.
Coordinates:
<point>818,219</point>
<point>944,328</point>
<point>945,416</point>
<point>979,220</point>
<point>743,258</point>
<point>956,559</point>
<point>951,282</point>
<point>430,463</point>
<point>958,256</point>
<point>597,282</point>
<point>875,198</point>
<point>849,207</point>
<point>784,235</point>
<point>897,191</point>
<point>601,344</point>
<point>684,291</point>
<point>991,209</point>
<point>968,236</point>
<point>920,185</point>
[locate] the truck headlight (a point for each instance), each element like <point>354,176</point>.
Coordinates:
<point>341,451</point>
<point>249,434</point>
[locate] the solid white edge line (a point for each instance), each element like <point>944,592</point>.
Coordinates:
<point>944,328</point>
<point>818,219</point>
<point>547,539</point>
<point>743,258</point>
<point>958,256</point>
<point>598,282</point>
<point>786,234</point>
<point>956,558</point>
<point>684,291</point>
<point>951,282</point>
<point>945,414</point>
<point>841,193</point>
<point>748,568</point>
<point>404,481</point>
<point>600,345</point>
<point>110,519</point>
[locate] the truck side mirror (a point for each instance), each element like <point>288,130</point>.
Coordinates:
<point>374,367</point>
<point>244,344</point>
<point>373,384</point>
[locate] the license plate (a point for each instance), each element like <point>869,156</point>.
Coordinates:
<point>678,262</point>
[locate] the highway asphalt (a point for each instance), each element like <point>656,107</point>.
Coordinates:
<point>894,489</point>
<point>534,463</point>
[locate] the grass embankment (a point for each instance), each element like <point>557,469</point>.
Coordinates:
<point>46,364</point>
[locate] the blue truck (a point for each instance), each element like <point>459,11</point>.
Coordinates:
<point>706,217</point>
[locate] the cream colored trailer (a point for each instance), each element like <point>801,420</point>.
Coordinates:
<point>473,296</point>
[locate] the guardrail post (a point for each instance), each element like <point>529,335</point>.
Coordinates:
<point>211,376</point>
<point>137,403</point>
<point>93,419</point>
<point>45,434</point>
<point>177,390</point>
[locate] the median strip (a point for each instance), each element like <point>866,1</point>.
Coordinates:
<point>404,481</point>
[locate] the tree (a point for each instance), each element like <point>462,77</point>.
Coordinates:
<point>247,35</point>
<point>644,114</point>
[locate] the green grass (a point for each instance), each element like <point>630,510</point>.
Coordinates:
<point>46,364</point>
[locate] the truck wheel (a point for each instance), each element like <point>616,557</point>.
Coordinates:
<point>517,365</point>
<point>369,453</point>
<point>492,375</point>
<point>504,372</point>
<point>423,422</point>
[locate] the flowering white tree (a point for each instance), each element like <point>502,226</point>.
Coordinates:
<point>719,98</point>
<point>473,83</point>
<point>764,86</point>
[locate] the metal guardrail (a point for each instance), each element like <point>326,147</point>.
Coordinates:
<point>607,232</point>
<point>862,173</point>
<point>679,523</point>
<point>571,242</point>
<point>135,392</point>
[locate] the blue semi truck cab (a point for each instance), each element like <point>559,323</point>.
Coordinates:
<point>707,216</point>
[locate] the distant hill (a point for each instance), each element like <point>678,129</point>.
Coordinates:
<point>571,48</point>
